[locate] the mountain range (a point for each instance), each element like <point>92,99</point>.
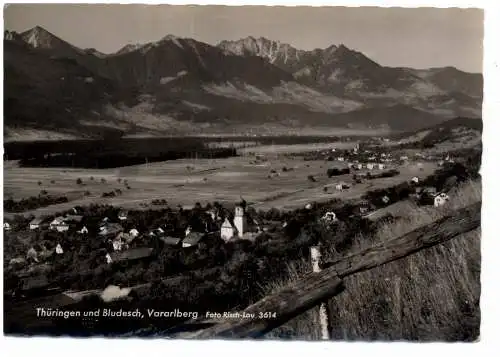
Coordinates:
<point>179,86</point>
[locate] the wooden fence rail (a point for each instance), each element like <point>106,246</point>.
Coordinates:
<point>315,288</point>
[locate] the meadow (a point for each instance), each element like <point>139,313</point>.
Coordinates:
<point>274,182</point>
<point>432,295</point>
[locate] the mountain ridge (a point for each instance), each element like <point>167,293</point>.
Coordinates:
<point>178,82</point>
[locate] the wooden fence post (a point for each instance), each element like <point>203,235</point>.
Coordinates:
<point>323,307</point>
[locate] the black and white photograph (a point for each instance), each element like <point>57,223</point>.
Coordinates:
<point>242,172</point>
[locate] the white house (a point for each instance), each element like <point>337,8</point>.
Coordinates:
<point>370,166</point>
<point>340,158</point>
<point>308,206</point>
<point>339,187</point>
<point>6,226</point>
<point>360,166</point>
<point>385,199</point>
<point>59,249</point>
<point>117,244</point>
<point>35,224</point>
<point>414,179</point>
<point>227,230</point>
<point>381,166</point>
<point>133,232</point>
<point>441,200</point>
<point>122,216</point>
<point>58,224</point>
<point>84,230</point>
<point>329,217</point>
<point>403,158</point>
<point>188,230</point>
<point>108,258</point>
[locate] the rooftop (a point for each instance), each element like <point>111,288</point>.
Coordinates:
<point>132,254</point>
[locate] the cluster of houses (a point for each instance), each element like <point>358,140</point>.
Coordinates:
<point>429,195</point>
<point>121,242</point>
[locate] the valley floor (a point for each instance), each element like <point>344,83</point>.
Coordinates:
<point>185,182</point>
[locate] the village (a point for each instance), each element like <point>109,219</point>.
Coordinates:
<point>123,235</point>
<point>112,251</point>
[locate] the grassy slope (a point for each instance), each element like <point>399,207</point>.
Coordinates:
<point>431,295</point>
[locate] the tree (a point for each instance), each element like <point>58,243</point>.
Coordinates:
<point>79,181</point>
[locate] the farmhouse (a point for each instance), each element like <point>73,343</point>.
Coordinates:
<point>441,199</point>
<point>117,244</point>
<point>59,249</point>
<point>342,186</point>
<point>59,224</point>
<point>17,260</point>
<point>73,218</point>
<point>122,216</point>
<point>364,207</point>
<point>329,217</point>
<point>110,229</point>
<point>84,230</point>
<point>36,223</point>
<point>6,226</point>
<point>192,239</point>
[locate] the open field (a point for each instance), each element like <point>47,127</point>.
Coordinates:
<point>184,182</point>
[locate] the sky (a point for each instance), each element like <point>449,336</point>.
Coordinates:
<point>418,37</point>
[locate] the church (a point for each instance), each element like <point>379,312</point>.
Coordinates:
<point>241,226</point>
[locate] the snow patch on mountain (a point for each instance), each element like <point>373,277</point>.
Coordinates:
<point>33,39</point>
<point>173,39</point>
<point>271,50</point>
<point>304,72</point>
<point>334,76</point>
<point>195,106</point>
<point>246,93</point>
<point>165,80</point>
<point>425,89</point>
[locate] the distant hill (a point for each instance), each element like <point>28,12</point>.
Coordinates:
<point>178,86</point>
<point>455,134</point>
<point>397,117</point>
